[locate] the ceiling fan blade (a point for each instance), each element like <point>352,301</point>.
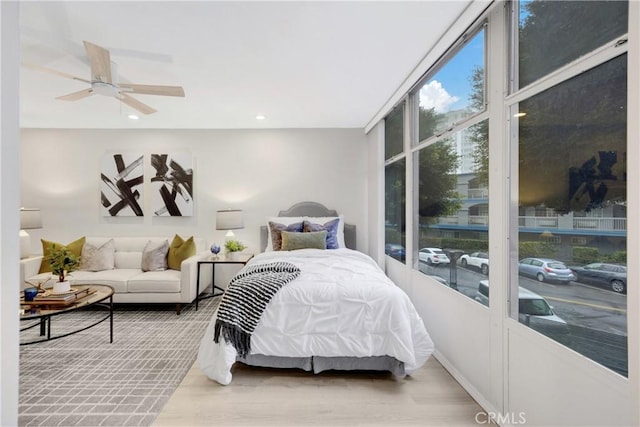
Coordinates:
<point>152,89</point>
<point>100,60</point>
<point>51,71</point>
<point>76,95</point>
<point>134,103</point>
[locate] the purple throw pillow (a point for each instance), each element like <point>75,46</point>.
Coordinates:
<point>330,227</point>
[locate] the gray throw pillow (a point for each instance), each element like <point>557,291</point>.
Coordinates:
<point>93,258</point>
<point>154,256</point>
<point>292,241</point>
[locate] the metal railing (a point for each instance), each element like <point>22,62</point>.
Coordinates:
<point>547,222</point>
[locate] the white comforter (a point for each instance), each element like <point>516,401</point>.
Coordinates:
<point>342,304</point>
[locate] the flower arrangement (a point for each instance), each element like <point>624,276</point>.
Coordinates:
<point>234,246</point>
<point>62,262</point>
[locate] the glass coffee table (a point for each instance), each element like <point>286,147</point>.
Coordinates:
<point>100,297</point>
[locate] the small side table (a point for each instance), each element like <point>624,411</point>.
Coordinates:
<point>242,259</point>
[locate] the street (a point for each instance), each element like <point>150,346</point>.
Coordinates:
<point>596,318</point>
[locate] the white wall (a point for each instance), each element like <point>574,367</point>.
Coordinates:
<point>9,222</point>
<point>259,171</point>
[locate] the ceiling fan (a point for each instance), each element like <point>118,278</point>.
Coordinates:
<point>104,81</point>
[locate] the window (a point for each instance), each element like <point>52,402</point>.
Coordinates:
<point>554,33</point>
<point>394,133</point>
<point>451,167</point>
<point>395,178</point>
<point>394,220</point>
<point>574,131</point>
<point>455,92</point>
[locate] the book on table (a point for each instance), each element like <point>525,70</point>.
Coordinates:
<point>66,298</point>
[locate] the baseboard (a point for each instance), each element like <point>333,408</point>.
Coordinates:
<point>457,375</point>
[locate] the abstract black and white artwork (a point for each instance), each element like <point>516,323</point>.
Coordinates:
<point>122,179</point>
<point>172,184</point>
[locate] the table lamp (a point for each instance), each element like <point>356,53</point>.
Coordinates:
<point>229,219</point>
<point>30,219</point>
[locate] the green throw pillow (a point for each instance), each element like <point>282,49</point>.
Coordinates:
<point>74,247</point>
<point>292,241</point>
<point>180,250</point>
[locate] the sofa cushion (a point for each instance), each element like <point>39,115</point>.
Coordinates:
<point>74,247</point>
<point>180,250</point>
<point>98,257</point>
<point>155,281</point>
<point>154,256</point>
<point>117,278</point>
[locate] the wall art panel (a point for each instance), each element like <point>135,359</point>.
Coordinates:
<point>121,185</point>
<point>172,184</point>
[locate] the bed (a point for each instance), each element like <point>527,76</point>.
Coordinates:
<point>340,312</point>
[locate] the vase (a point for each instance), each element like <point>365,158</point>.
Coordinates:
<point>61,287</point>
<point>234,256</point>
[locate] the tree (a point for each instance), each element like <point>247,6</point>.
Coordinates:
<point>553,33</point>
<point>479,133</point>
<point>437,163</point>
<point>437,195</point>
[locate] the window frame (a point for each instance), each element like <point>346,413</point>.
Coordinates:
<point>593,59</point>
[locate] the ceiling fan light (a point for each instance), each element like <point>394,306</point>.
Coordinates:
<point>133,117</point>
<point>260,117</point>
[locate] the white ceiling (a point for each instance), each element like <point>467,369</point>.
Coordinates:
<point>301,64</point>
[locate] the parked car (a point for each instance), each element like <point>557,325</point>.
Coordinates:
<point>433,256</point>
<point>479,260</point>
<point>546,270</point>
<point>531,306</point>
<point>610,276</point>
<point>395,250</point>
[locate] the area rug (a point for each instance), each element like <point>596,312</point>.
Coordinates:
<point>83,380</point>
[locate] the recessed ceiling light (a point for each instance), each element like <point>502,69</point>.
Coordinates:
<point>133,117</point>
<point>519,114</point>
<point>260,117</point>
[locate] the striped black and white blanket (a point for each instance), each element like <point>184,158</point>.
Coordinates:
<point>245,300</point>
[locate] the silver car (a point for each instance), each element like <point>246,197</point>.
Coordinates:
<point>546,270</point>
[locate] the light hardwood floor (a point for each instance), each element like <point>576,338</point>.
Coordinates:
<point>271,397</point>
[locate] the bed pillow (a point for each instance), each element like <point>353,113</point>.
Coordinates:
<point>98,258</point>
<point>325,219</point>
<point>274,240</point>
<point>179,250</point>
<point>154,256</point>
<point>74,247</point>
<point>292,241</point>
<point>330,227</point>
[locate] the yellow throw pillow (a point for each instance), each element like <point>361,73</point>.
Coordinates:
<point>74,247</point>
<point>180,250</point>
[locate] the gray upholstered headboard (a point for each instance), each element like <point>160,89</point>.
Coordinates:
<point>312,209</point>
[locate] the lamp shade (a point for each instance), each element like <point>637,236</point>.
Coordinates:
<point>30,218</point>
<point>229,219</point>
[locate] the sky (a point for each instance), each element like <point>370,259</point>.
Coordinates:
<point>450,87</point>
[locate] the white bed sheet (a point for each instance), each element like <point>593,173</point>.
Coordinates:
<point>341,304</point>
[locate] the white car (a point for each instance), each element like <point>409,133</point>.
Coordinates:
<point>433,256</point>
<point>479,260</point>
<point>531,306</point>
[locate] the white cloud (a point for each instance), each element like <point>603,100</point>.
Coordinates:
<point>433,95</point>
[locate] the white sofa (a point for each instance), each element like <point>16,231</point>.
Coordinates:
<point>131,284</point>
